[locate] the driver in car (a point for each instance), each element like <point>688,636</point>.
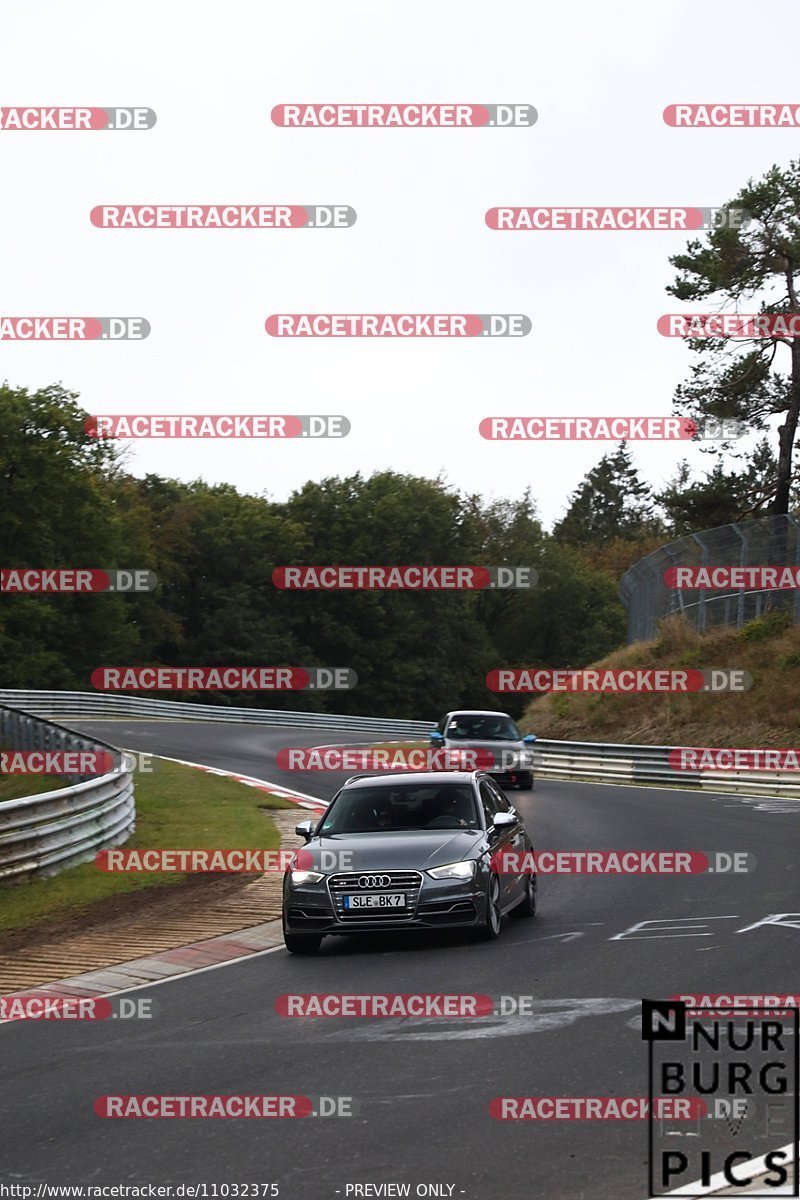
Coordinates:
<point>384,818</point>
<point>445,809</point>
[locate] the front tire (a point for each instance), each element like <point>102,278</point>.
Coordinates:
<point>302,943</point>
<point>489,930</point>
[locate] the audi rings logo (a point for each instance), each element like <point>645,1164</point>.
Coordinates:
<point>374,881</point>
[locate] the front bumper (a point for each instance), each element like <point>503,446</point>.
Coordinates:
<point>507,766</point>
<point>311,908</point>
<point>511,775</point>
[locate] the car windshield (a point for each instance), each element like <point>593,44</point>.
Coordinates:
<point>403,808</point>
<point>483,727</point>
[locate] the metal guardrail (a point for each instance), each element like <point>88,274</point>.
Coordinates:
<point>41,835</point>
<point>63,705</point>
<point>601,762</point>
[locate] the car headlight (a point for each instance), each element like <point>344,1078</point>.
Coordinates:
<point>307,876</point>
<point>457,870</point>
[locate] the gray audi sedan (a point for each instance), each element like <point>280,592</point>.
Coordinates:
<point>409,850</point>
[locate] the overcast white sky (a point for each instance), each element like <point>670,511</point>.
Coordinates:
<point>599,76</point>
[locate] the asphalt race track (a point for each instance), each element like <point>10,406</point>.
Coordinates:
<point>422,1087</point>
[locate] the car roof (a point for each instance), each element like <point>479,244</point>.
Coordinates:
<point>477,712</point>
<point>390,778</point>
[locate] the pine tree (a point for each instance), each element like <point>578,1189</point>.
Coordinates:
<point>611,502</point>
<point>749,268</point>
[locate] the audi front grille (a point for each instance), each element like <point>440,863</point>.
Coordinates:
<point>355,882</point>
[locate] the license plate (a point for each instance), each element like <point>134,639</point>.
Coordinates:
<point>393,900</point>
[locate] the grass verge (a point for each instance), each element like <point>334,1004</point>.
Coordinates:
<point>17,787</point>
<point>176,807</point>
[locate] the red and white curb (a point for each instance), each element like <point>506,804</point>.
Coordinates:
<point>263,785</point>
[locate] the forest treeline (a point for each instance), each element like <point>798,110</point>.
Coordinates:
<point>68,501</point>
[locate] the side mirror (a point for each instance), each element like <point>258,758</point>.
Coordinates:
<point>504,820</point>
<point>529,739</point>
<point>436,737</point>
<point>305,829</point>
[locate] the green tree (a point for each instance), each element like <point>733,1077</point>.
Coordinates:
<point>415,653</point>
<point>612,501</point>
<point>756,266</point>
<point>506,533</point>
<point>576,615</point>
<point>214,550</point>
<point>572,616</point>
<point>720,496</point>
<point>57,511</point>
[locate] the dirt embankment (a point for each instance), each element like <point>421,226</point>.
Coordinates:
<point>766,715</point>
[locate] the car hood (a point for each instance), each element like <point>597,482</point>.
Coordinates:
<point>396,851</point>
<point>483,744</point>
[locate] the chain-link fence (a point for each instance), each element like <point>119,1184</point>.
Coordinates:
<point>769,541</point>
